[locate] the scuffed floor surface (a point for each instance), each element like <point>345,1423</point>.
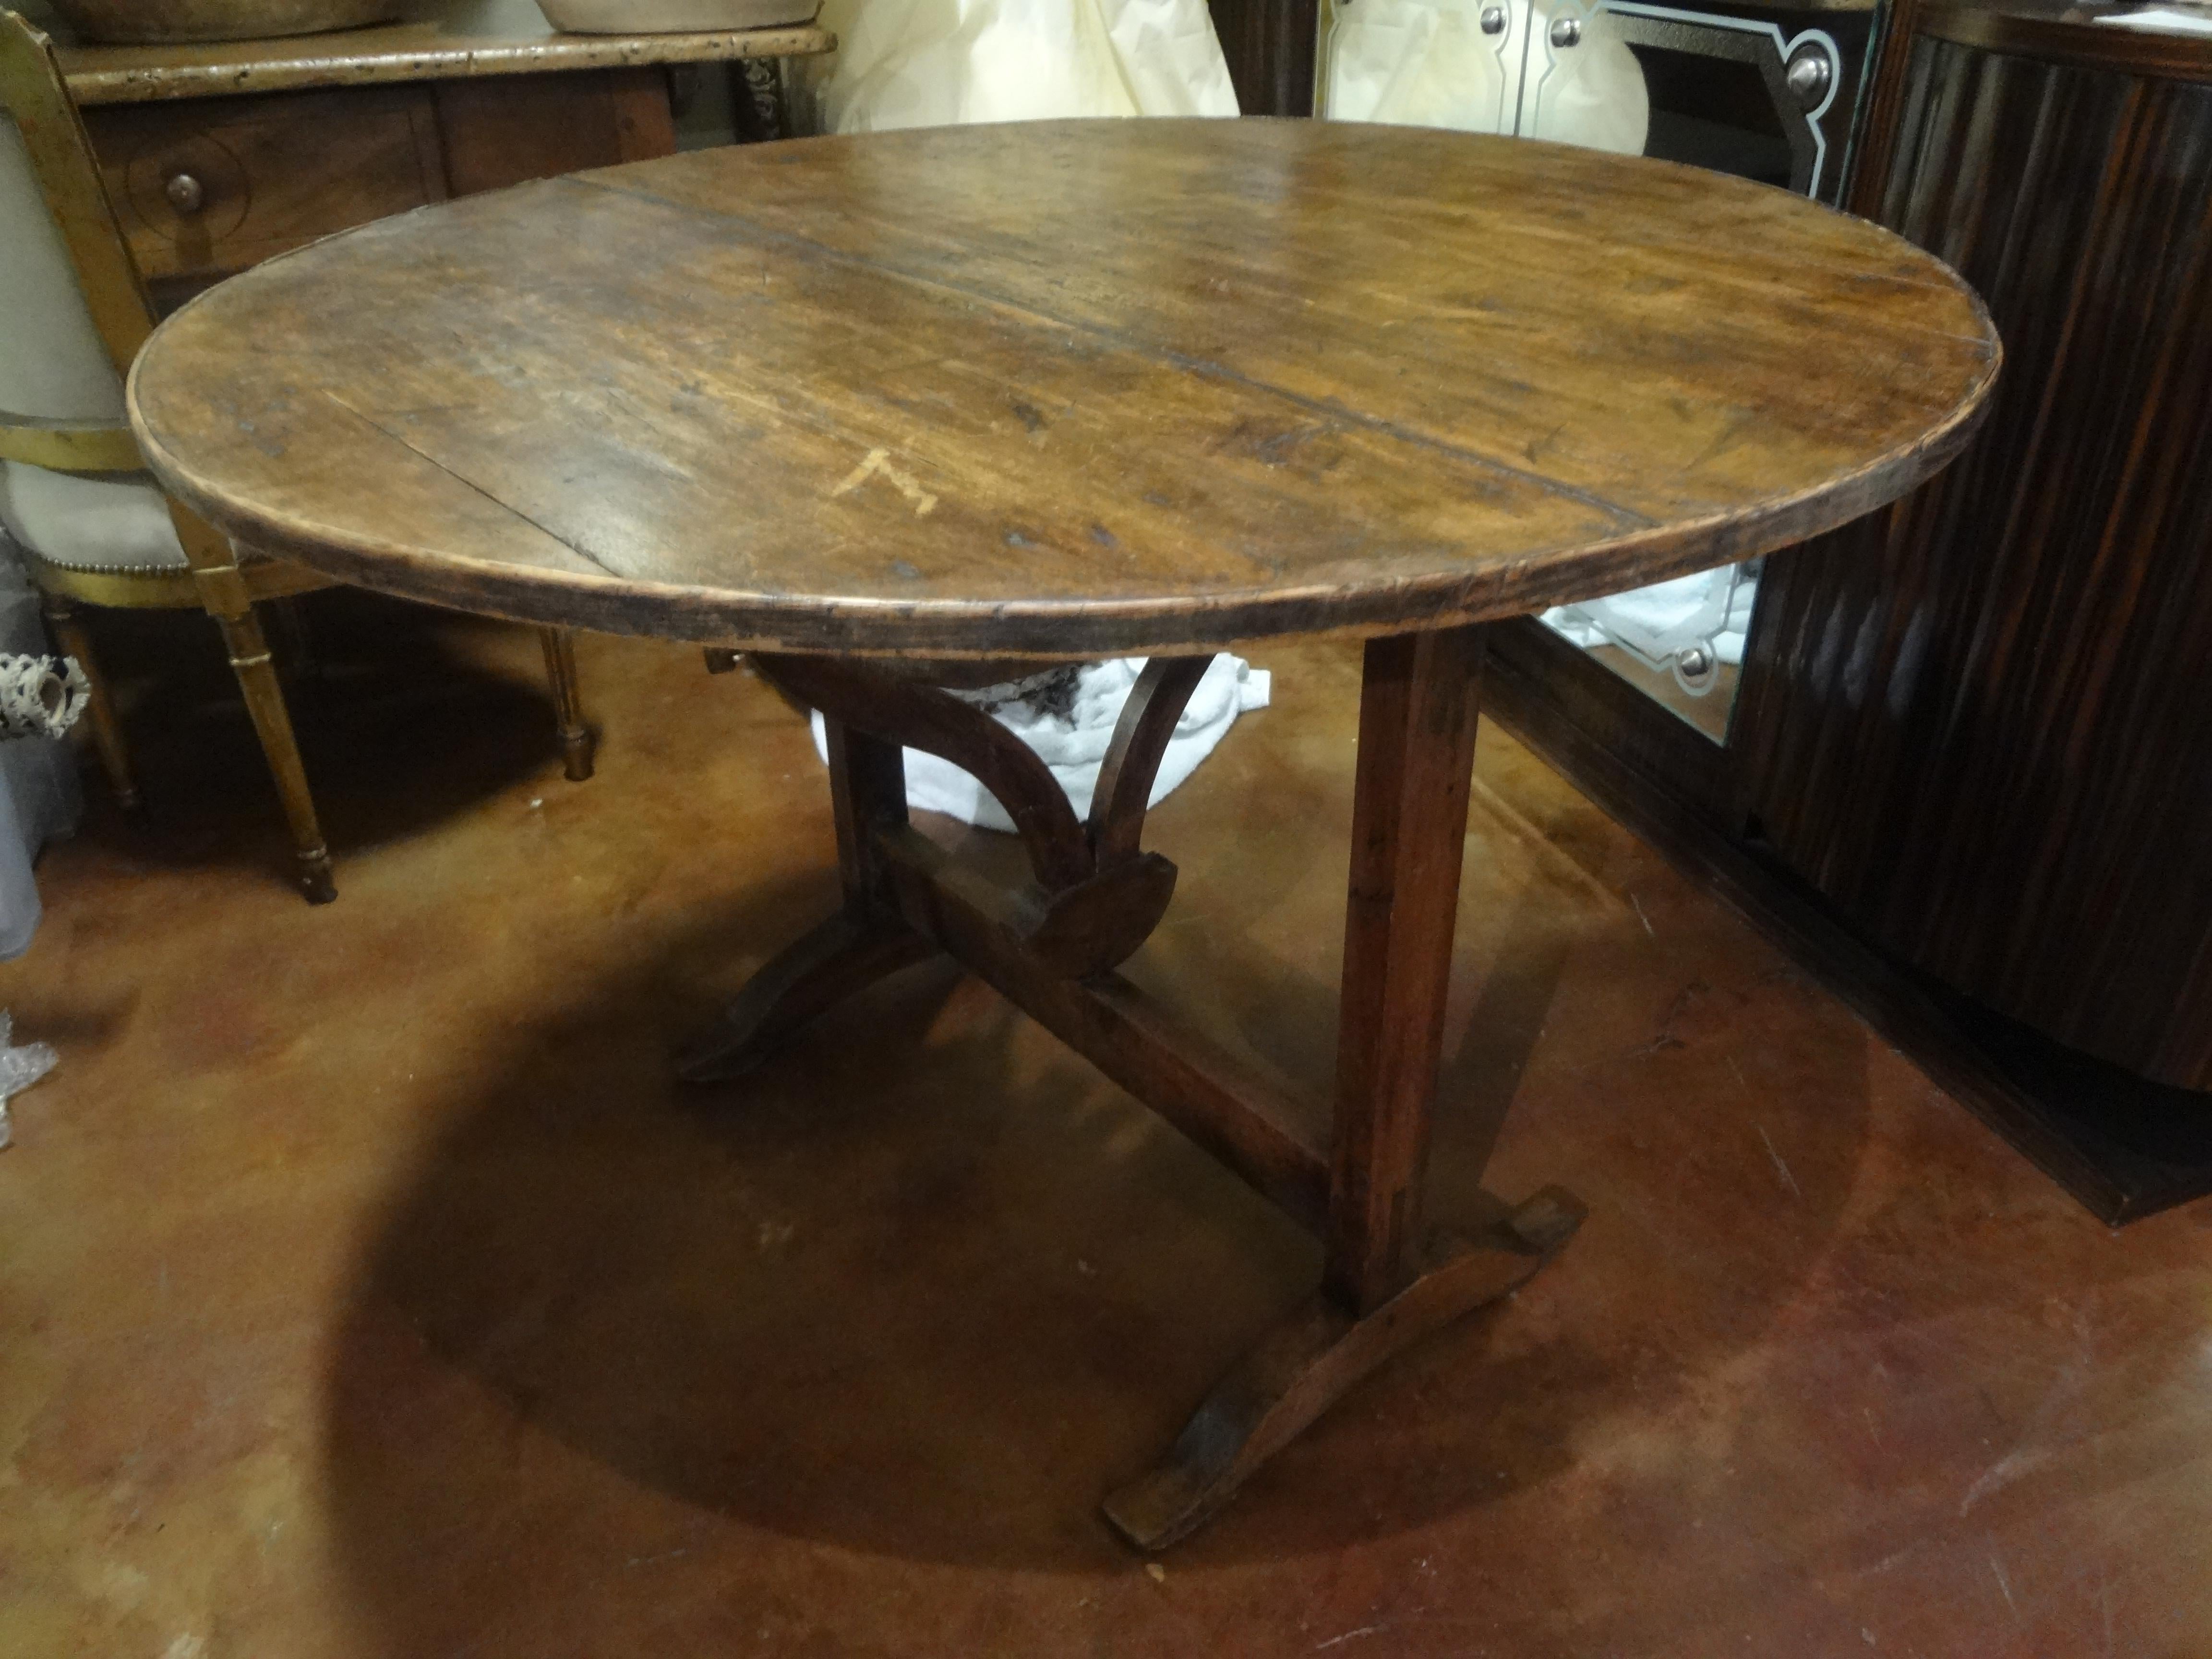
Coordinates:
<point>367,1288</point>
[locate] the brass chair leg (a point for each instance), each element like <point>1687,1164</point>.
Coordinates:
<point>272,722</point>
<point>100,713</point>
<point>578,743</point>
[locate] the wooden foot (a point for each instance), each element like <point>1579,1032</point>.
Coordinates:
<point>317,884</point>
<point>579,743</point>
<point>1312,1359</point>
<point>845,954</point>
<point>272,724</point>
<point>580,750</point>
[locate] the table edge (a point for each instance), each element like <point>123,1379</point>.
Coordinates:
<point>1083,629</point>
<point>1080,631</point>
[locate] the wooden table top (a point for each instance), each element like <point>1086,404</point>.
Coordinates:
<point>1067,389</point>
<point>421,51</point>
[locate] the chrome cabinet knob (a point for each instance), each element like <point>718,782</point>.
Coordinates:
<point>184,193</point>
<point>1493,19</point>
<point>1810,74</point>
<point>1565,31</point>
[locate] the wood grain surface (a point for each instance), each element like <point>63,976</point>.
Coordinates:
<point>1067,389</point>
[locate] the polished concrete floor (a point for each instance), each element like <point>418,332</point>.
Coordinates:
<point>367,1288</point>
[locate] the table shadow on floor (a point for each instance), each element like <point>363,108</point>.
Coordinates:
<point>924,1286</point>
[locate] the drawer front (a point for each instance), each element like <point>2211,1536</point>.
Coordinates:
<point>502,129</point>
<point>208,187</point>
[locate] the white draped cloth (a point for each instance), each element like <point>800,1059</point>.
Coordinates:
<point>1072,741</point>
<point>942,63</point>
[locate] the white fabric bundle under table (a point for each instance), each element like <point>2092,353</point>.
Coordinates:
<point>1074,744</point>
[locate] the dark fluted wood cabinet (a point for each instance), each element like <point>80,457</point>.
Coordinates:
<point>1968,777</point>
<point>1981,723</point>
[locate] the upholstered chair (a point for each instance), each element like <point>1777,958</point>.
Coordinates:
<point>93,527</point>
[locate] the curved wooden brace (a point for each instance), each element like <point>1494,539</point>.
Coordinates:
<point>845,954</point>
<point>1309,1361</point>
<point>1148,719</point>
<point>935,721</point>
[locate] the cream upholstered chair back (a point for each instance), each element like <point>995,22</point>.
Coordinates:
<point>52,361</point>
<point>54,366</point>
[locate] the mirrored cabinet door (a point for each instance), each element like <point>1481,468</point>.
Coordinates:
<point>1680,642</point>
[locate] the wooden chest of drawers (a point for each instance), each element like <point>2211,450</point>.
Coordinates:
<point>219,156</point>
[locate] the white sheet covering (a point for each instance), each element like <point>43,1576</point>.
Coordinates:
<point>942,63</point>
<point>1075,747</point>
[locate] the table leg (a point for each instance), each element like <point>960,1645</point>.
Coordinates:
<point>1381,1290</point>
<point>1420,697</point>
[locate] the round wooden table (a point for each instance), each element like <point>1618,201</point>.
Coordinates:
<point>892,412</point>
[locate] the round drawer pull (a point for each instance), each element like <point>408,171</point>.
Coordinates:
<point>184,193</point>
<point>1565,31</point>
<point>1810,74</point>
<point>1698,670</point>
<point>1493,19</point>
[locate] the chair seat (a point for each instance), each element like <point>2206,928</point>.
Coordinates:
<point>115,524</point>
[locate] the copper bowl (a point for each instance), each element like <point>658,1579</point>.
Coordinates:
<point>138,22</point>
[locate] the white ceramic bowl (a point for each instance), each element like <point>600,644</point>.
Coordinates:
<point>673,16</point>
<point>164,22</point>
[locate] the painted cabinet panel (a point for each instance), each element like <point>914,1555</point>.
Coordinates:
<point>1551,70</point>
